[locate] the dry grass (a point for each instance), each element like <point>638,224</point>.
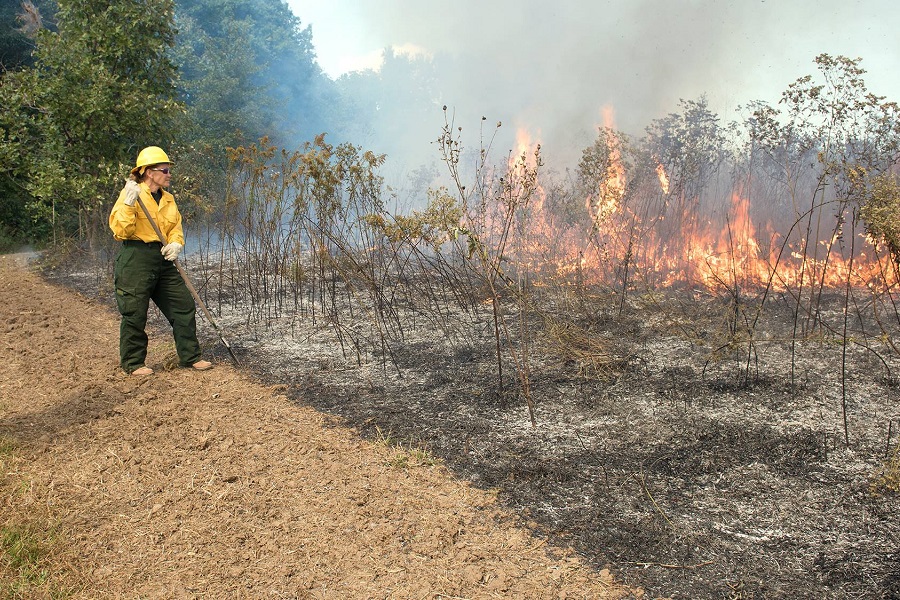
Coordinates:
<point>887,481</point>
<point>31,542</point>
<point>589,352</point>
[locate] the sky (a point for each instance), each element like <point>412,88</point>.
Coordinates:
<point>551,67</point>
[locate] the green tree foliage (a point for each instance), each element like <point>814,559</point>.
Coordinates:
<point>108,78</point>
<point>248,70</point>
<point>101,86</point>
<point>881,213</point>
<point>19,24</point>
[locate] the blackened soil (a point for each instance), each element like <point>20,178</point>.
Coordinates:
<point>689,488</point>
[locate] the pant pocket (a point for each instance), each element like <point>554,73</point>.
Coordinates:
<point>127,302</point>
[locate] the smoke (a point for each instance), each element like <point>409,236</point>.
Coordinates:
<point>30,19</point>
<point>551,67</point>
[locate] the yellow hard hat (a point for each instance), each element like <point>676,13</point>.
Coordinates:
<point>151,155</point>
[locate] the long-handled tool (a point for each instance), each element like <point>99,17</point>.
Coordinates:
<point>190,286</point>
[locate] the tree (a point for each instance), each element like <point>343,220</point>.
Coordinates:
<point>19,24</point>
<point>393,108</point>
<point>101,87</point>
<point>217,84</point>
<point>690,146</point>
<point>248,70</point>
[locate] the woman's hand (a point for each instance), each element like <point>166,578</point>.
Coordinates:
<point>171,251</point>
<point>132,192</point>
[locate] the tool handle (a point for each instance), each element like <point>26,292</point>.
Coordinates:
<point>153,224</point>
<point>187,282</point>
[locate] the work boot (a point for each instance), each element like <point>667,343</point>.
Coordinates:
<point>202,365</point>
<point>142,371</point>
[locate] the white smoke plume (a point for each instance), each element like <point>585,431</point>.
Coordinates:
<point>550,67</point>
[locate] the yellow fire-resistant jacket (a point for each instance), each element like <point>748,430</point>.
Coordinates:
<point>130,222</point>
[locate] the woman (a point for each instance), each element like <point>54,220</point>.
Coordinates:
<point>145,268</point>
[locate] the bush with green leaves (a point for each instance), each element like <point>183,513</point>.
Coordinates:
<point>101,87</point>
<point>881,213</point>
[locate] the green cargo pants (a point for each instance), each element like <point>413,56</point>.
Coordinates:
<point>142,275</point>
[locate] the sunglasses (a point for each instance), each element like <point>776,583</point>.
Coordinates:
<point>164,170</point>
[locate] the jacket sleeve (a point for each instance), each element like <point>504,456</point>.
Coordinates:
<point>123,218</point>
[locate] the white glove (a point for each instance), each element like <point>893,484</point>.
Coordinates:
<point>132,191</point>
<point>171,251</point>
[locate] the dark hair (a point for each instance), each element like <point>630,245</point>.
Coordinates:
<point>138,176</point>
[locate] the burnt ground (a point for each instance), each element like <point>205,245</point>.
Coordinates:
<point>655,454</point>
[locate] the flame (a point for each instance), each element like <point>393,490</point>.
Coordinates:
<point>608,115</point>
<point>733,255</point>
<point>611,189</point>
<point>737,248</point>
<point>523,143</point>
<point>663,178</point>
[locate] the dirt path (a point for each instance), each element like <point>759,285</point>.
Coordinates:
<point>209,485</point>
